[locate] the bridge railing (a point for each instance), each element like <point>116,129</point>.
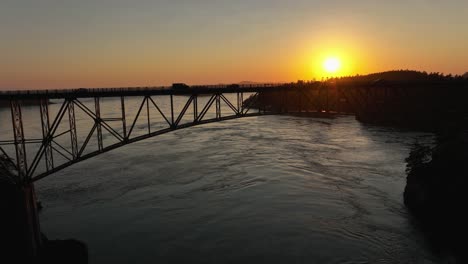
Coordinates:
<point>131,89</point>
<point>78,90</point>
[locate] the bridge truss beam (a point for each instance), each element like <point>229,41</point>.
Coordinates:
<point>56,152</point>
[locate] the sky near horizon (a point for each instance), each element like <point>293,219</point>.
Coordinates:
<point>115,43</point>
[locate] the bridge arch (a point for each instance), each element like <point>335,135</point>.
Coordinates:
<point>224,103</point>
<point>138,139</point>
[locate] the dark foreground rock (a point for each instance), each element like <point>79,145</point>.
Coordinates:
<point>436,194</point>
<point>63,251</point>
<point>14,232</point>
<point>12,223</point>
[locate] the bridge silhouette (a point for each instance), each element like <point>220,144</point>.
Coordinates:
<point>224,101</point>
<point>236,101</point>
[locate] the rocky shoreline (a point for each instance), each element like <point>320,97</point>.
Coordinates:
<point>435,194</point>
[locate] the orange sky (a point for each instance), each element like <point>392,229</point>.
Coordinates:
<point>142,43</point>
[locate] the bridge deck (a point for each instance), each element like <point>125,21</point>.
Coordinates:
<point>137,91</point>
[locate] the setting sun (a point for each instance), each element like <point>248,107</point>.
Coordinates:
<point>332,65</point>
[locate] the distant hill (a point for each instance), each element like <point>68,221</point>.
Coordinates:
<point>465,76</point>
<point>402,75</point>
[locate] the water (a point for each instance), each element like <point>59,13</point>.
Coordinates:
<point>276,189</point>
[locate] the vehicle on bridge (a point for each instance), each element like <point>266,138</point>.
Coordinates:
<point>80,90</point>
<point>180,86</point>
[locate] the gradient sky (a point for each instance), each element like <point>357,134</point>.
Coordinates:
<point>113,43</point>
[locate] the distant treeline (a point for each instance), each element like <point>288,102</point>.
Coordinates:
<point>404,75</point>
<point>399,98</point>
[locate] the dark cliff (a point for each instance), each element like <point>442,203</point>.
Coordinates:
<point>436,193</point>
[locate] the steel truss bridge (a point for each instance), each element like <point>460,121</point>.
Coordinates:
<point>62,138</point>
<point>58,146</point>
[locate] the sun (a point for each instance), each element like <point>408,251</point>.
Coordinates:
<point>332,65</point>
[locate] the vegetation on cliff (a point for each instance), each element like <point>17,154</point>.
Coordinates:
<point>403,75</point>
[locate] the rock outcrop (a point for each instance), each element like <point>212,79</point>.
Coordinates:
<point>14,228</point>
<point>436,194</point>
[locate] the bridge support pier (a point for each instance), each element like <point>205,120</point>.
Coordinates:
<point>34,237</point>
<point>19,223</point>
<point>22,240</point>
